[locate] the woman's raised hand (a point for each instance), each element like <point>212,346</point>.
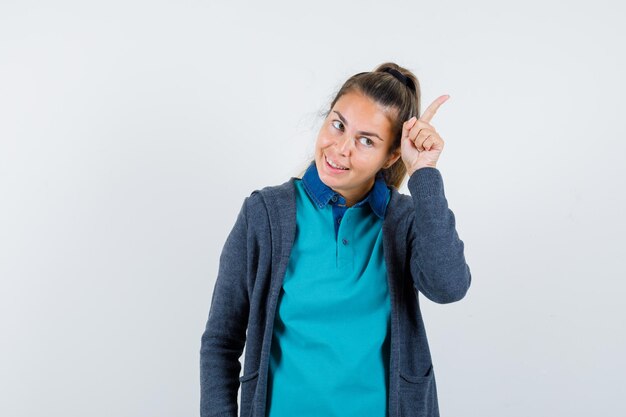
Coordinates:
<point>421,144</point>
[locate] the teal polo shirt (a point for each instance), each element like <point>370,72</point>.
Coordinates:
<point>330,344</point>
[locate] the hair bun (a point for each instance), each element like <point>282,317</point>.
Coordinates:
<point>401,77</point>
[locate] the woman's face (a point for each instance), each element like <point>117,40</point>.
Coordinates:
<point>356,136</point>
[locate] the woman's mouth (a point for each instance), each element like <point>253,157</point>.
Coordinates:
<point>333,166</point>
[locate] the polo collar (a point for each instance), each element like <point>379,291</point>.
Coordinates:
<point>322,194</point>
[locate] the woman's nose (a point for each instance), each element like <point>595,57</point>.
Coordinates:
<point>345,147</point>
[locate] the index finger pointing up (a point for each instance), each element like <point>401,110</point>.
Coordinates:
<point>432,109</point>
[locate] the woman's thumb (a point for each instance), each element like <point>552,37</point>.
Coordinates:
<point>406,127</point>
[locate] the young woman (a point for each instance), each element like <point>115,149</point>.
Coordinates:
<point>320,276</point>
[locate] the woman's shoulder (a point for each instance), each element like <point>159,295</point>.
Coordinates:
<point>400,209</point>
<point>276,190</point>
<point>270,195</point>
<point>400,200</point>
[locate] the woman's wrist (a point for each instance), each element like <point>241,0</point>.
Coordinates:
<point>415,168</point>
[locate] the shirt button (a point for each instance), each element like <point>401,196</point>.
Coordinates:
<point>334,198</point>
<point>344,241</point>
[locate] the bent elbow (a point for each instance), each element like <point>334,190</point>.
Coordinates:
<point>452,288</point>
<point>452,295</point>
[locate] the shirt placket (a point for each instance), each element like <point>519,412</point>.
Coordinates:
<point>344,228</point>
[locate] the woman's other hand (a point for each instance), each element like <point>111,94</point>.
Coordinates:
<point>421,144</point>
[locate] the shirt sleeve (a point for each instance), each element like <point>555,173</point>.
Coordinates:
<point>437,261</point>
<point>224,337</point>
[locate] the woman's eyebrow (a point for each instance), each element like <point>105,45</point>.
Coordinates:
<point>361,131</point>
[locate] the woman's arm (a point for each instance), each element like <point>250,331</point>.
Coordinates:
<point>224,337</point>
<point>437,261</point>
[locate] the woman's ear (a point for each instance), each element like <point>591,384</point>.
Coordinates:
<point>393,158</point>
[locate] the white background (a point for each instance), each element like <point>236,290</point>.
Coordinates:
<point>131,131</point>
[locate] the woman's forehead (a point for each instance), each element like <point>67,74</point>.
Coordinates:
<point>363,112</point>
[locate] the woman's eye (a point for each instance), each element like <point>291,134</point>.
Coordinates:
<point>367,142</point>
<point>337,121</point>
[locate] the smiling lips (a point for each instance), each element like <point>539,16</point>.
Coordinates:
<point>335,165</point>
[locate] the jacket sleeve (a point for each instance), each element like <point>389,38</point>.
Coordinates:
<point>437,262</point>
<point>224,337</point>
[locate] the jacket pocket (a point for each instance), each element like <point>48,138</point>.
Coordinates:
<point>418,395</point>
<point>248,387</point>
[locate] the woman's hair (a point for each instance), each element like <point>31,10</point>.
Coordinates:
<point>400,100</point>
